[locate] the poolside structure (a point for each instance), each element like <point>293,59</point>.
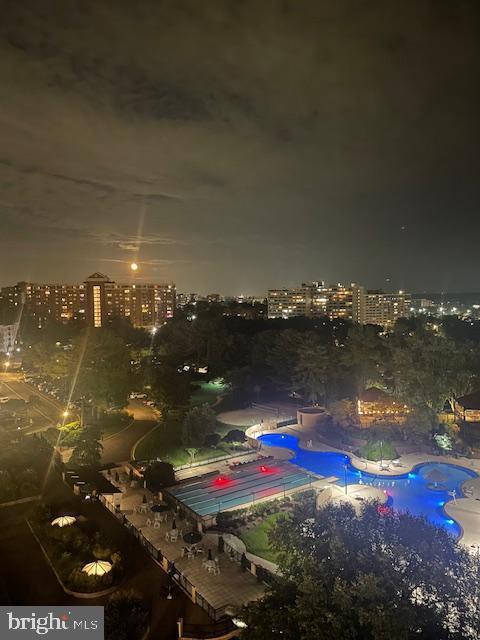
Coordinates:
<point>375,405</point>
<point>205,496</point>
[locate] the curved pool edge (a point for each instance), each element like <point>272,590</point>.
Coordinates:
<point>383,476</point>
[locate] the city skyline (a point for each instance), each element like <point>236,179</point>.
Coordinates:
<point>278,143</point>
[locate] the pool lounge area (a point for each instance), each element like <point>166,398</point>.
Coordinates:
<point>415,491</point>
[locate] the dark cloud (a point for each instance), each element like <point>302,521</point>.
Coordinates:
<point>241,144</point>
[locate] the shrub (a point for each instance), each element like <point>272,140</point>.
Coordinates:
<point>235,435</point>
<point>158,475</point>
<point>212,440</point>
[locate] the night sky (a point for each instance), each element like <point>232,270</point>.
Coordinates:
<point>237,145</point>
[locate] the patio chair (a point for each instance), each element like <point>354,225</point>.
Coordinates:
<point>156,524</point>
<point>199,549</point>
<point>190,554</point>
<point>216,570</point>
<point>173,536</point>
<point>149,522</point>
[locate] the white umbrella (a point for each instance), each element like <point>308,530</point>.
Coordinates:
<point>97,568</point>
<point>64,521</point>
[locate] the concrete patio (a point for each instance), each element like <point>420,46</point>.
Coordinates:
<point>230,587</point>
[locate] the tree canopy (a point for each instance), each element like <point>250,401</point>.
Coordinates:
<point>379,575</point>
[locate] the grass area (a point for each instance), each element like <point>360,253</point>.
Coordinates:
<point>156,445</point>
<point>256,539</point>
<point>111,423</point>
<point>207,393</point>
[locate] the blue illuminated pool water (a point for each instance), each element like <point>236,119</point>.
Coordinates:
<point>407,492</point>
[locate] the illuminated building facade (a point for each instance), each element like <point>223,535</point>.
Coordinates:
<point>348,302</point>
<point>97,301</point>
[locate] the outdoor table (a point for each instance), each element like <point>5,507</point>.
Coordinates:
<point>192,537</point>
<point>209,564</point>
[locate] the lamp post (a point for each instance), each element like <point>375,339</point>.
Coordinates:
<point>346,481</point>
<point>381,453</point>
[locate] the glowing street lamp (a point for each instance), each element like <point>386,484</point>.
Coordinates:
<point>134,266</point>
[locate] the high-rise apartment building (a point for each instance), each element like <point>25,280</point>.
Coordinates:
<point>97,301</point>
<point>289,303</point>
<point>349,302</point>
<point>385,308</point>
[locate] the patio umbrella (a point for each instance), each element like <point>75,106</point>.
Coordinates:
<point>97,568</point>
<point>192,537</point>
<point>158,508</point>
<point>436,476</point>
<point>174,524</point>
<point>64,521</point>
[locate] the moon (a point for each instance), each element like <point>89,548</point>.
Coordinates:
<point>134,266</point>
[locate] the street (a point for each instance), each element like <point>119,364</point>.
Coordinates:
<point>45,412</point>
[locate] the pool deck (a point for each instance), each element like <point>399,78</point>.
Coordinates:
<point>231,587</point>
<point>465,510</point>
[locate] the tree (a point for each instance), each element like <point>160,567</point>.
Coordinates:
<point>235,435</point>
<point>363,355</point>
<point>192,452</point>
<point>126,616</point>
<point>104,368</point>
<point>311,369</point>
<point>171,389</point>
<point>376,576</point>
<point>158,475</point>
<point>282,358</point>
<point>343,413</point>
<point>197,422</point>
<point>88,450</point>
<point>430,370</point>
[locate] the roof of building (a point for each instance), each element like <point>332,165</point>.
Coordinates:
<point>374,394</point>
<point>470,400</point>
<point>97,276</point>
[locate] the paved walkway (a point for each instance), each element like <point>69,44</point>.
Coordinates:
<point>250,416</point>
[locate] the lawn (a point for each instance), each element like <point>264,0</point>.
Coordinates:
<point>157,445</point>
<point>207,393</point>
<point>256,539</point>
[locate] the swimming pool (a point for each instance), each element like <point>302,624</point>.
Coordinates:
<point>407,492</point>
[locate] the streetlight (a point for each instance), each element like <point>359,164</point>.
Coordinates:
<point>134,266</point>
